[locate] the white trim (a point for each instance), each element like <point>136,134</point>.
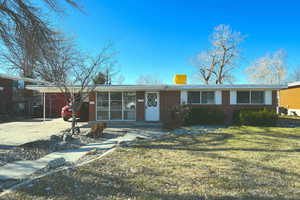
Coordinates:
<point>268,97</point>
<point>135,88</point>
<point>218,97</point>
<point>233,97</point>
<point>158,106</point>
<point>183,97</point>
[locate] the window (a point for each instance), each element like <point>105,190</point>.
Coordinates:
<point>257,97</point>
<point>102,106</point>
<point>205,97</point>
<point>194,97</point>
<point>250,97</point>
<point>243,97</point>
<point>116,105</point>
<point>129,105</point>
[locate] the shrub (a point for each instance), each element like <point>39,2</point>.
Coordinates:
<point>205,116</point>
<point>257,117</point>
<point>177,116</point>
<point>283,110</point>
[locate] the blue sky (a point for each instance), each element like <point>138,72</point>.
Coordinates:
<point>158,37</point>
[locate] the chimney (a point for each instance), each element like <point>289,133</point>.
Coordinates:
<point>180,79</point>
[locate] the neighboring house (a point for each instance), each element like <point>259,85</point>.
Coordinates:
<point>15,99</point>
<point>290,98</point>
<point>151,103</point>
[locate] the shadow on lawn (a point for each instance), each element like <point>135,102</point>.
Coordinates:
<point>91,185</point>
<point>203,144</point>
<point>269,131</point>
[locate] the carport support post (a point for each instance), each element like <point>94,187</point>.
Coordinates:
<point>44,107</point>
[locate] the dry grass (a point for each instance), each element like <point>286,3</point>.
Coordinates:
<point>237,163</point>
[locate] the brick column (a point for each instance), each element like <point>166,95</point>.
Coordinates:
<point>140,106</point>
<point>92,106</point>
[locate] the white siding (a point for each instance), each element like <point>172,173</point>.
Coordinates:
<point>183,97</point>
<point>232,96</point>
<point>268,97</point>
<point>218,97</point>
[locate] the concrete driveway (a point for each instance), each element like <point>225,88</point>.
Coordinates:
<point>20,132</point>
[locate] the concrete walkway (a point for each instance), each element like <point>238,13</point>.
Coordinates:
<point>22,169</point>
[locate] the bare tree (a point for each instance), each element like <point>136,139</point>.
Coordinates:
<point>148,80</point>
<point>295,76</point>
<point>217,64</point>
<point>73,74</point>
<point>269,69</point>
<point>110,73</point>
<point>25,33</point>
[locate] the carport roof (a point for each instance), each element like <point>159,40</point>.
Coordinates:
<point>54,89</point>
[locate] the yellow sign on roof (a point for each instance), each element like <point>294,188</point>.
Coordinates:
<point>180,79</point>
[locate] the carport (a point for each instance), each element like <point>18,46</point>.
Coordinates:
<point>54,99</point>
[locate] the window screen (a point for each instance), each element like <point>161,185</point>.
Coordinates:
<point>208,97</point>
<point>194,97</point>
<point>243,96</point>
<point>257,97</point>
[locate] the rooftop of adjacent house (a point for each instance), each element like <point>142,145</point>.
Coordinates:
<point>294,84</point>
<point>16,78</point>
<point>49,89</point>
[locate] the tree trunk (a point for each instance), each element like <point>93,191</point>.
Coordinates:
<point>73,121</point>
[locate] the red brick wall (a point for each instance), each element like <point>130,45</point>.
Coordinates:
<point>230,109</point>
<point>140,106</point>
<point>168,99</point>
<point>92,107</point>
<point>6,95</point>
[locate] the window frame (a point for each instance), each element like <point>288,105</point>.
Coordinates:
<point>109,107</point>
<point>250,97</point>
<point>200,99</point>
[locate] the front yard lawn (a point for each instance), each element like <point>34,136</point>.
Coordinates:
<point>236,163</point>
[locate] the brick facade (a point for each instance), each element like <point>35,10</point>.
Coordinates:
<point>15,101</point>
<point>92,107</point>
<point>6,96</point>
<point>230,109</point>
<point>169,99</point>
<point>140,106</point>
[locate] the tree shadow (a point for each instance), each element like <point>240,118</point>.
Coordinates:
<point>93,185</point>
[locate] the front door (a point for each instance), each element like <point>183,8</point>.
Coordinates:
<point>152,106</point>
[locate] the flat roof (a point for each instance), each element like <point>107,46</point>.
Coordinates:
<point>54,89</point>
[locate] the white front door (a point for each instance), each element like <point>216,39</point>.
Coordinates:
<point>152,106</point>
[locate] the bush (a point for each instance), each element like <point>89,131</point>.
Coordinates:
<point>177,116</point>
<point>257,117</point>
<point>283,110</point>
<point>205,116</point>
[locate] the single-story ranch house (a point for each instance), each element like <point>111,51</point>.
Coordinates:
<point>152,103</point>
<point>290,98</point>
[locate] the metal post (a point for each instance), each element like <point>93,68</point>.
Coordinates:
<point>44,109</point>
